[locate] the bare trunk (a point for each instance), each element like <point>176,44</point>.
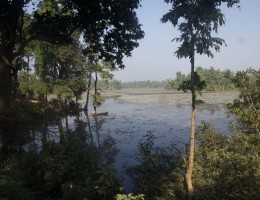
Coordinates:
<point>87,99</point>
<point>5,86</point>
<point>61,130</point>
<point>192,134</point>
<point>95,94</point>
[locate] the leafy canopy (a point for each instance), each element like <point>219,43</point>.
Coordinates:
<point>246,108</point>
<point>110,28</point>
<point>196,19</point>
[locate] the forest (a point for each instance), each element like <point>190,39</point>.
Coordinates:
<point>215,80</point>
<point>56,59</point>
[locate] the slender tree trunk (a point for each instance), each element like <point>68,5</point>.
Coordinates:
<point>27,95</point>
<point>192,134</point>
<point>95,94</point>
<point>61,130</point>
<point>76,101</point>
<point>88,90</point>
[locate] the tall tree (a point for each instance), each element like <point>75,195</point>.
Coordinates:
<point>64,63</point>
<point>112,22</point>
<point>195,19</point>
<point>11,11</point>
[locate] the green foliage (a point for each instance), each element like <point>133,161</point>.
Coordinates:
<point>19,177</point>
<point>129,196</point>
<point>104,70</point>
<point>70,170</point>
<point>199,85</point>
<point>246,108</point>
<point>210,79</point>
<point>170,84</point>
<point>63,92</point>
<point>157,167</point>
<point>107,185</point>
<point>78,85</point>
<point>226,167</point>
<point>32,87</point>
<point>175,84</point>
<point>115,85</point>
<point>25,113</point>
<point>196,20</point>
<point>62,63</point>
<point>98,99</point>
<point>117,31</point>
<point>109,28</point>
<point>144,84</point>
<point>216,79</point>
<point>44,60</point>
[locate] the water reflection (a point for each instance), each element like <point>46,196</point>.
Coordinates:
<point>114,138</point>
<point>59,159</point>
<point>169,121</point>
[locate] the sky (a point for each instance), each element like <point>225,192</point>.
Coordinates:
<point>154,59</point>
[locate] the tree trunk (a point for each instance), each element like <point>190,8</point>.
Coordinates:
<point>5,86</point>
<point>192,134</point>
<point>95,94</point>
<point>77,101</point>
<point>87,99</point>
<point>9,25</point>
<point>61,130</point>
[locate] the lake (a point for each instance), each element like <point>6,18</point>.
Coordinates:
<point>166,114</point>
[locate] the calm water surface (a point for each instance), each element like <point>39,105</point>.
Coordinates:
<point>131,118</point>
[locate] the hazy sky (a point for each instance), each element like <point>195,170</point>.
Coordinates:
<point>154,59</point>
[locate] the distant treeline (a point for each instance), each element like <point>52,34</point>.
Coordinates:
<point>109,84</point>
<point>215,79</point>
<point>144,84</point>
<point>117,85</point>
